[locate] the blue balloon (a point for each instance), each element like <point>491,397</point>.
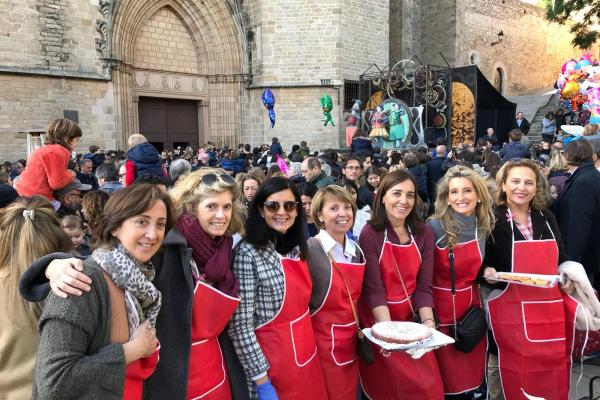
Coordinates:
<point>268,100</point>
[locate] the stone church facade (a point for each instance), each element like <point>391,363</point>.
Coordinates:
<point>189,71</point>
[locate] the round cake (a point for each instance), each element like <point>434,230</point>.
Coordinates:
<point>400,332</point>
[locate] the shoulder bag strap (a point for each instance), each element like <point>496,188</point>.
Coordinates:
<point>452,287</point>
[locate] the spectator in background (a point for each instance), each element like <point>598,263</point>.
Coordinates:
<point>435,173</point>
<point>180,168</point>
<point>18,168</point>
<point>596,156</point>
<point>579,208</point>
<point>521,123</point>
<point>142,159</point>
<point>352,170</point>
<point>108,178</point>
<point>96,156</point>
<point>304,150</point>
<point>5,178</point>
<point>492,139</point>
<point>514,149</point>
<point>295,155</point>
<point>558,173</point>
<point>307,192</point>
<point>560,117</point>
<point>361,143</point>
<point>85,175</point>
<point>412,164</point>
<point>549,127</point>
<point>373,178</point>
<point>47,167</point>
<point>312,172</point>
<point>73,226</point>
<point>7,195</point>
<point>276,148</point>
<point>92,209</point>
<point>70,198</point>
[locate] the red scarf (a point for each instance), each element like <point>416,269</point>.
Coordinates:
<point>212,256</point>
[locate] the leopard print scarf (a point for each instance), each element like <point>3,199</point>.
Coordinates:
<point>142,299</point>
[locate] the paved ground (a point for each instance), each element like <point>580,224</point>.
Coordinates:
<point>590,370</point>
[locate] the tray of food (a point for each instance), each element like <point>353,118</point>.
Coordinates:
<point>546,281</point>
<point>401,335</point>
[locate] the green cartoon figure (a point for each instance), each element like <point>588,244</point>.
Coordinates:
<point>327,106</point>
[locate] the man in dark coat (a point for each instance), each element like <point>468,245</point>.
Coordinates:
<point>514,149</point>
<point>521,123</point>
<point>579,208</point>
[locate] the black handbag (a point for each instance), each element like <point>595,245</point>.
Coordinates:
<point>472,327</point>
<point>363,345</point>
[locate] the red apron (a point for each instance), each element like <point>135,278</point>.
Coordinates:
<point>136,373</point>
<point>335,332</point>
<point>460,371</point>
<point>533,328</point>
<point>399,377</point>
<point>288,341</point>
<point>211,310</point>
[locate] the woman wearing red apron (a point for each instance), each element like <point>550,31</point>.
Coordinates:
<point>463,218</point>
<point>336,266</point>
<point>398,249</point>
<point>532,326</point>
<point>271,329</point>
<point>95,361</point>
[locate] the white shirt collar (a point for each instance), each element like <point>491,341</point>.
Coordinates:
<point>328,243</point>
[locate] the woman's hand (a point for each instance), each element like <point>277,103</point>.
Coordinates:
<point>568,287</point>
<point>66,278</point>
<point>143,342</point>
<point>430,323</point>
<point>490,274</point>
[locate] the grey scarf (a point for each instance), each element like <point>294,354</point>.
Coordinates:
<point>142,299</point>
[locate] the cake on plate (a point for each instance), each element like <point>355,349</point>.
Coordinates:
<point>400,332</point>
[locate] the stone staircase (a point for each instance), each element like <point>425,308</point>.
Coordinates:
<point>534,108</point>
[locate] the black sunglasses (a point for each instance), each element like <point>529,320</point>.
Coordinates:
<point>210,179</point>
<point>288,206</point>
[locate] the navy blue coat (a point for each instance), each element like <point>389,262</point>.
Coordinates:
<point>146,160</point>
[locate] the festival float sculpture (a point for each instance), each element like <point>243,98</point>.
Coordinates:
<point>327,106</point>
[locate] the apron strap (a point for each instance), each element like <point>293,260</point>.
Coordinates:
<point>412,241</point>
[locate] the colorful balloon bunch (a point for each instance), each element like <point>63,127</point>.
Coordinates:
<point>578,86</point>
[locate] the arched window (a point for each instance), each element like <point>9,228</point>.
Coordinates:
<point>474,58</point>
<point>499,79</point>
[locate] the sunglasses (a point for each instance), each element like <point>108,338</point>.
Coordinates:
<point>288,206</point>
<point>210,179</point>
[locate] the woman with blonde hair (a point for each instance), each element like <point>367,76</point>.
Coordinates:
<point>558,173</point>
<point>532,326</point>
<point>209,213</point>
<point>29,229</point>
<point>462,221</point>
<point>336,265</point>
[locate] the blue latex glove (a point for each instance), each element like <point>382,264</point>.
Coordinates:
<point>266,391</point>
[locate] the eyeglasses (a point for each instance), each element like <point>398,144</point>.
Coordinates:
<point>288,206</point>
<point>210,179</point>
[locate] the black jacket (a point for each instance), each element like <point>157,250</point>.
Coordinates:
<point>579,216</point>
<point>498,249</point>
<point>524,126</point>
<point>361,145</point>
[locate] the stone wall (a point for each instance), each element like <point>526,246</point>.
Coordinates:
<point>49,35</point>
<point>405,29</point>
<point>365,36</point>
<point>531,53</point>
<point>28,103</point>
<point>438,32</point>
<point>298,117</point>
<point>164,43</point>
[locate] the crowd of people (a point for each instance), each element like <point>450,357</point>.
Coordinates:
<point>222,273</point>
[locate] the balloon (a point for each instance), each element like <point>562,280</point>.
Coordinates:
<point>570,90</point>
<point>561,82</point>
<point>327,106</point>
<point>568,67</point>
<point>584,63</point>
<point>268,100</point>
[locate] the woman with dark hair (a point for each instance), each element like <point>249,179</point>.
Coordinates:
<point>271,329</point>
<point>373,175</point>
<point>92,207</point>
<point>529,355</point>
<point>103,344</point>
<point>307,192</point>
<point>398,248</point>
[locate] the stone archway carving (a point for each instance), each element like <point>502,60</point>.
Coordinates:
<point>219,42</point>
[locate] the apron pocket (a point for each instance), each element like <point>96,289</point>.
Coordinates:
<point>544,320</point>
<point>343,339</point>
<point>303,340</point>
<point>207,368</point>
<point>442,300</point>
